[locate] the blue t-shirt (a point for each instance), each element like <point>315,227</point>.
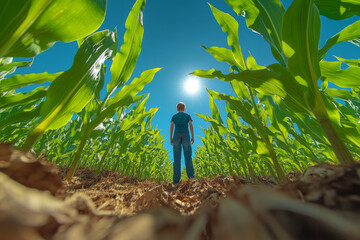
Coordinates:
<point>181,121</point>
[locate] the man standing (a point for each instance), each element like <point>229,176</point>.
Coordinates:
<point>182,120</point>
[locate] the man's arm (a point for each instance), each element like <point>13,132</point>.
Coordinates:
<point>171,132</point>
<point>192,131</point>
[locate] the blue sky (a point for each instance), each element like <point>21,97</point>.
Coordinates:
<point>174,33</point>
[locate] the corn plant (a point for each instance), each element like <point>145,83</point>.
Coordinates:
<point>45,115</point>
<point>293,36</point>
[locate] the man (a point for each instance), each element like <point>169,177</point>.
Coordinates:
<point>182,122</point>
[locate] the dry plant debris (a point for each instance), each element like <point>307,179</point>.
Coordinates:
<point>118,207</point>
<point>26,169</point>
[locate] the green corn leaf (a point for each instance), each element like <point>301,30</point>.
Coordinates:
<point>356,42</point>
<point>307,125</point>
<point>242,108</point>
<point>340,9</point>
<point>252,64</point>
<point>230,26</point>
<point>6,69</point>
<point>219,127</point>
<point>140,117</point>
<point>97,131</point>
<point>20,114</point>
<point>125,96</point>
<point>301,32</point>
<point>73,89</point>
<point>333,112</point>
<point>222,54</point>
<point>5,61</point>
<point>261,148</point>
<point>18,81</point>
<point>349,135</point>
<point>271,111</point>
<point>101,83</point>
<point>350,62</point>
<point>233,121</point>
<point>215,110</point>
<point>351,32</point>
<point>125,60</point>
<point>37,24</point>
<point>276,82</point>
<point>133,88</point>
<point>10,100</point>
<point>347,78</point>
<point>264,17</point>
<point>140,107</point>
<point>126,125</point>
<point>342,94</point>
<point>240,89</point>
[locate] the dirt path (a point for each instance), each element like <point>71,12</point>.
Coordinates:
<point>127,195</point>
<point>36,203</point>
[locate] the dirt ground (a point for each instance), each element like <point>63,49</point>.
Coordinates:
<point>36,202</point>
<point>129,195</point>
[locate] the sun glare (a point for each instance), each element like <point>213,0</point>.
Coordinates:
<point>192,85</point>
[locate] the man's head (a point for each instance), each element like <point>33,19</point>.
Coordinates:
<point>180,107</point>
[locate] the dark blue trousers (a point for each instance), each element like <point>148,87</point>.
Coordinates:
<point>182,139</point>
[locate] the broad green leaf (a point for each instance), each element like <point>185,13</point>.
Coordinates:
<point>140,107</point>
<point>277,82</point>
<point>349,135</point>
<point>261,148</point>
<point>125,60</point>
<point>37,24</point>
<point>356,42</point>
<point>242,108</point>
<point>264,17</point>
<point>125,96</point>
<point>73,89</point>
<point>307,125</point>
<point>101,83</point>
<point>134,87</point>
<point>252,64</point>
<point>339,9</point>
<point>5,61</point>
<point>301,32</point>
<point>10,68</point>
<point>222,54</point>
<point>97,131</point>
<point>219,127</point>
<point>22,114</point>
<point>331,109</point>
<point>233,121</point>
<point>350,62</point>
<point>347,78</point>
<point>10,100</point>
<point>215,110</point>
<point>128,123</point>
<point>342,94</point>
<point>230,26</point>
<point>349,33</point>
<point>271,111</point>
<point>240,89</point>
<point>18,81</point>
<point>281,119</point>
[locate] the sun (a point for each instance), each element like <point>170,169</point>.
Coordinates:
<point>192,85</point>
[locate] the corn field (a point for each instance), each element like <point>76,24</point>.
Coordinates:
<point>282,117</point>
<point>68,122</point>
<point>81,156</point>
<point>279,119</point>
